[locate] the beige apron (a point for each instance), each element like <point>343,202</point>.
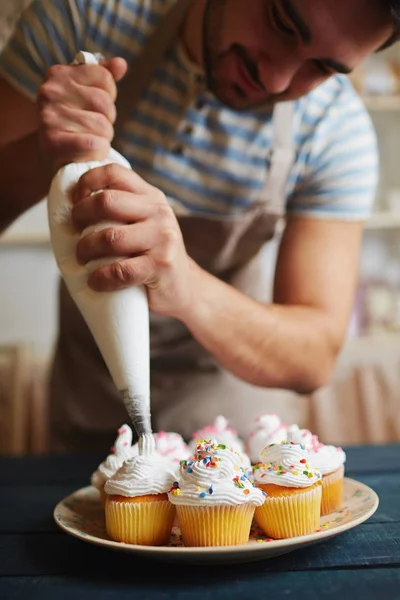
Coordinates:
<point>188,389</point>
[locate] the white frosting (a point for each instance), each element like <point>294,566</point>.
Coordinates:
<point>172,446</point>
<point>146,444</point>
<point>301,436</point>
<point>325,458</point>
<point>121,451</point>
<point>285,464</point>
<point>222,434</point>
<point>119,320</point>
<point>268,430</point>
<point>215,478</point>
<point>147,473</point>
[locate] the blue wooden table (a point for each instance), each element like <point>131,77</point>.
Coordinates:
<point>38,561</point>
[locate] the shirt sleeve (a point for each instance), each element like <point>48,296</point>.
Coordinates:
<point>338,162</point>
<point>48,32</point>
<point>51,32</point>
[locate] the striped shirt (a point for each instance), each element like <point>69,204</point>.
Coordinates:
<point>206,157</point>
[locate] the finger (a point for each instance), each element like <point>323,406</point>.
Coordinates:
<point>73,120</point>
<point>125,240</point>
<point>116,66</point>
<point>112,176</point>
<point>56,93</point>
<point>122,274</point>
<point>110,205</point>
<point>92,76</point>
<point>97,100</point>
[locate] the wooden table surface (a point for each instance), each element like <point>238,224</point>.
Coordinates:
<point>39,561</point>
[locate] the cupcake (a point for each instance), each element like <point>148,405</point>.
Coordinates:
<point>268,429</point>
<point>329,460</point>
<point>221,433</point>
<point>293,503</point>
<point>214,499</point>
<point>121,451</point>
<point>137,508</point>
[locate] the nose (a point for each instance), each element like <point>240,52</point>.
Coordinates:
<point>276,76</point>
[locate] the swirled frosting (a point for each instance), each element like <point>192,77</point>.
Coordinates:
<point>301,436</point>
<point>325,458</point>
<point>121,451</point>
<point>268,430</point>
<point>222,434</point>
<point>214,477</point>
<point>146,473</point>
<point>172,446</point>
<point>285,464</point>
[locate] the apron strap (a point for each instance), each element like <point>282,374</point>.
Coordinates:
<point>282,157</point>
<point>142,69</point>
<point>272,194</point>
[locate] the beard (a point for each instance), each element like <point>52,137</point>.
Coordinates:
<point>226,90</point>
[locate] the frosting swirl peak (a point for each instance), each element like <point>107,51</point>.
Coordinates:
<point>285,464</point>
<point>214,477</point>
<point>142,475</point>
<point>121,451</point>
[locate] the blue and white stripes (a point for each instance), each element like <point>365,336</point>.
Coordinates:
<point>207,158</point>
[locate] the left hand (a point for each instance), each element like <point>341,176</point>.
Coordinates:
<point>148,235</point>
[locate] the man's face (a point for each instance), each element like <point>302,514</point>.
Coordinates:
<point>265,51</point>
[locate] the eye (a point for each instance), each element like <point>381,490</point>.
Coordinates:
<point>279,22</point>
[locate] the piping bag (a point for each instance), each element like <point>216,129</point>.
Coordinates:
<point>118,320</point>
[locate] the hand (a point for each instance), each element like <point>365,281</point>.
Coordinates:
<point>147,234</point>
<point>77,111</point>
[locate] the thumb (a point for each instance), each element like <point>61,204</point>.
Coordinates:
<point>117,67</point>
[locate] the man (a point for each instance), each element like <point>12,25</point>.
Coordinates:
<point>247,117</point>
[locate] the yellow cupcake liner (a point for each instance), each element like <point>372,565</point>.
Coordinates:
<point>144,523</point>
<point>215,525</point>
<point>332,492</point>
<point>292,515</point>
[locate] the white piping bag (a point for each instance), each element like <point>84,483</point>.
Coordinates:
<point>118,321</point>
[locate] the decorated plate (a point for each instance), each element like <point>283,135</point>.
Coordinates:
<point>81,515</point>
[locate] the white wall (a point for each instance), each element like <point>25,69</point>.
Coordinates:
<point>28,286</point>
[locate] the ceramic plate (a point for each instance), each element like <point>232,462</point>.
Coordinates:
<point>82,516</point>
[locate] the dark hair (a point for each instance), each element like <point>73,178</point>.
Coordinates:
<point>394,7</point>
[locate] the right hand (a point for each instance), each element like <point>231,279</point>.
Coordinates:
<point>77,111</point>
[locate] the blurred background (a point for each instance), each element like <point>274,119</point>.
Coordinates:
<point>362,402</point>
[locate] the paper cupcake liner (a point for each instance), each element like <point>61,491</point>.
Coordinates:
<point>215,525</point>
<point>289,516</point>
<point>332,492</point>
<point>145,523</point>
